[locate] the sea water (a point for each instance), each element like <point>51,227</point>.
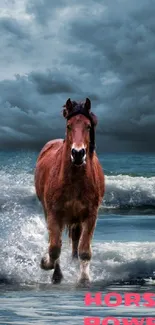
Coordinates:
<point>123,244</point>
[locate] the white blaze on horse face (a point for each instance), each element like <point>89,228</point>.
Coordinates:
<point>78,148</point>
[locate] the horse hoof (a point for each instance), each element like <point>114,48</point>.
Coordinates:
<point>84,282</point>
<point>75,256</point>
<point>45,264</point>
<point>57,276</point>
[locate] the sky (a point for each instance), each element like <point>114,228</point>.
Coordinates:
<point>54,50</point>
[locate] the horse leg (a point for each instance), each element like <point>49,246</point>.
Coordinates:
<point>57,275</point>
<point>84,249</point>
<point>75,236</point>
<point>52,261</point>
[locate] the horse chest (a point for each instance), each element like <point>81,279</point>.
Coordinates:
<point>74,208</point>
<point>74,200</point>
<point>72,205</point>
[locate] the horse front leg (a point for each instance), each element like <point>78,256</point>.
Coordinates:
<point>55,242</point>
<point>84,249</point>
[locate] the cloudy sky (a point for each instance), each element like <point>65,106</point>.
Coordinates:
<point>51,50</point>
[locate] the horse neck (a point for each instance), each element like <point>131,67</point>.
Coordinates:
<point>67,168</point>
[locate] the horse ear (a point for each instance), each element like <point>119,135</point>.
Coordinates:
<point>69,105</point>
<point>68,108</point>
<point>88,104</point>
<point>64,112</point>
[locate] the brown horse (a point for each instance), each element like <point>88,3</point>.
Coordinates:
<point>69,183</point>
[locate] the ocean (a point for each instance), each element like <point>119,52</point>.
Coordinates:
<point>123,244</point>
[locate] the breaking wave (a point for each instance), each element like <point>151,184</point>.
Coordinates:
<point>123,191</point>
<point>23,237</point>
<point>26,240</point>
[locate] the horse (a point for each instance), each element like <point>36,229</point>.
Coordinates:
<point>70,185</point>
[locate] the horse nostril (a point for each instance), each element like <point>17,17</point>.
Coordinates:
<point>73,152</point>
<point>82,152</point>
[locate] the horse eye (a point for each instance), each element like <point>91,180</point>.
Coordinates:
<point>69,127</point>
<point>88,127</point>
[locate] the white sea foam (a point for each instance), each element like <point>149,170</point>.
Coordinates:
<point>26,242</point>
<point>23,237</point>
<point>121,191</point>
<point>124,190</point>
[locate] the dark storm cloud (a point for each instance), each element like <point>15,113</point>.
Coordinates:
<point>100,49</point>
<point>124,40</point>
<point>44,10</point>
<point>13,27</point>
<point>28,117</point>
<point>48,83</point>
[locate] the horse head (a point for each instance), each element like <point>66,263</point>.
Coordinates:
<point>80,133</point>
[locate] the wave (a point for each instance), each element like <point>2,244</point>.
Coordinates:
<point>124,192</point>
<point>26,242</point>
<point>23,237</point>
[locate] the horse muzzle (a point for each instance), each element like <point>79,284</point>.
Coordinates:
<point>78,157</point>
